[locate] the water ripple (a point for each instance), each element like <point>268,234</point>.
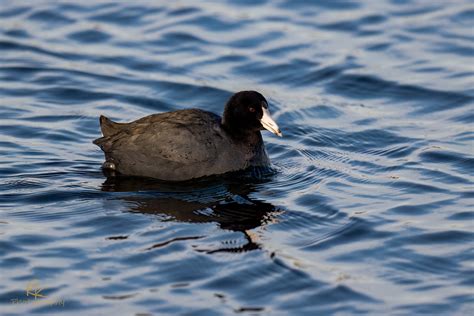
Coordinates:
<point>367,209</point>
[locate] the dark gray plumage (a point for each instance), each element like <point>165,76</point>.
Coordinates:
<point>186,144</point>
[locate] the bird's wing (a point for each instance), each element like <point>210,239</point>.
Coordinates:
<point>177,143</point>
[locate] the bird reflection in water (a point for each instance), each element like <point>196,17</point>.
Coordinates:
<point>224,201</point>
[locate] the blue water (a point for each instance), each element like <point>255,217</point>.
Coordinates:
<point>370,210</point>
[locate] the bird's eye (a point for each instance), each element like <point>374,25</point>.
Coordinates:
<point>251,109</point>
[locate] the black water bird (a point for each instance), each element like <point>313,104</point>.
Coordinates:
<point>192,143</point>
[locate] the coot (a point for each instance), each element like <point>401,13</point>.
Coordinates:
<point>187,144</point>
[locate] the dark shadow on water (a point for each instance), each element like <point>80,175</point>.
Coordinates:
<point>223,200</point>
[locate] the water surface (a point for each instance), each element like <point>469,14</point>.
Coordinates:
<point>370,210</point>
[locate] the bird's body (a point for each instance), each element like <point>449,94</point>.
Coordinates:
<point>180,145</point>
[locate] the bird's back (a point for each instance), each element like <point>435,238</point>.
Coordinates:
<point>177,145</point>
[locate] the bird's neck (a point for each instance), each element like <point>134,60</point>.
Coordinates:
<point>252,137</point>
